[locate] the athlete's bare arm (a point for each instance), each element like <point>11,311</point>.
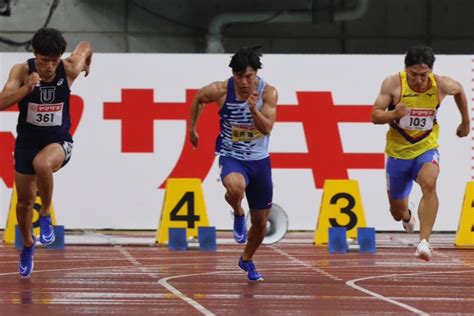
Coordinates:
<point>18,85</point>
<point>79,61</point>
<point>214,92</point>
<point>448,86</point>
<point>265,119</point>
<point>389,93</point>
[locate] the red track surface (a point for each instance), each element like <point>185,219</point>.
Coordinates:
<point>300,279</point>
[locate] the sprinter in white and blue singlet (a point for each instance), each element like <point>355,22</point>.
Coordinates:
<point>247,109</point>
<point>41,87</point>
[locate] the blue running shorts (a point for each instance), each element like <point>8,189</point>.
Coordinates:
<point>402,172</point>
<point>258,179</point>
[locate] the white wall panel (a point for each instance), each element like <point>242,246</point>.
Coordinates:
<point>103,187</point>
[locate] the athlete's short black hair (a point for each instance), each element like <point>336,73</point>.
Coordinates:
<point>420,54</point>
<point>246,56</point>
<point>48,42</point>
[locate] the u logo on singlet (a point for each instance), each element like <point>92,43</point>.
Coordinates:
<point>47,94</point>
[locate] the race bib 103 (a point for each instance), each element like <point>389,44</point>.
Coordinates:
<point>418,120</point>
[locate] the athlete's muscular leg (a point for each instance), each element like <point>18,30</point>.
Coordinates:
<point>399,209</point>
<point>256,233</point>
<point>26,191</point>
<point>235,185</point>
<point>46,162</point>
<point>428,208</point>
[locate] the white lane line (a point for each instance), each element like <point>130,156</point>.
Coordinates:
<point>129,257</point>
<point>352,283</point>
<point>164,283</point>
<point>454,260</point>
<point>120,268</point>
<point>302,263</point>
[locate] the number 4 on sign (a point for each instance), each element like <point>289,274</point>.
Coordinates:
<point>183,207</point>
<point>341,206</point>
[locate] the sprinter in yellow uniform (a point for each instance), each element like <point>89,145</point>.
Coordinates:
<point>409,101</point>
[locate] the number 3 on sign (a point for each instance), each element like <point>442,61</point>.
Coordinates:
<point>341,206</point>
<point>348,210</point>
<point>183,207</point>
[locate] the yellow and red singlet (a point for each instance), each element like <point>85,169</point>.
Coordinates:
<point>418,131</point>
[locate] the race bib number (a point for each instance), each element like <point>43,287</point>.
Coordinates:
<point>418,120</point>
<point>244,133</point>
<point>45,114</point>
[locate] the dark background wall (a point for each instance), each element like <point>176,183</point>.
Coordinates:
<point>282,26</point>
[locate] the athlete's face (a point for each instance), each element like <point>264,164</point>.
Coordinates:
<point>245,80</point>
<point>46,66</point>
<point>417,76</point>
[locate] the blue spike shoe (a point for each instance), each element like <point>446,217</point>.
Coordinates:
<point>47,236</point>
<point>26,264</point>
<point>240,231</point>
<point>249,267</point>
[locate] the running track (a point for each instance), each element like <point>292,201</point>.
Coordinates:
<point>111,276</point>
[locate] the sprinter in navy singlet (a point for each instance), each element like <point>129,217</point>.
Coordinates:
<point>44,119</point>
<point>41,86</point>
<point>247,109</point>
<point>44,113</point>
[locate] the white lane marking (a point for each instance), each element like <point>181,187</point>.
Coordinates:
<point>128,256</point>
<point>70,269</point>
<point>307,265</point>
<point>163,282</point>
<point>352,283</point>
<point>455,260</point>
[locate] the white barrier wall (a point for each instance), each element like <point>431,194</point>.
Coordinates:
<point>131,136</point>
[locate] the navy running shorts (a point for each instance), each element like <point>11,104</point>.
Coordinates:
<point>258,179</point>
<point>25,154</point>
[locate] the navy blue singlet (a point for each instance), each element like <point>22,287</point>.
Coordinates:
<point>44,113</point>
